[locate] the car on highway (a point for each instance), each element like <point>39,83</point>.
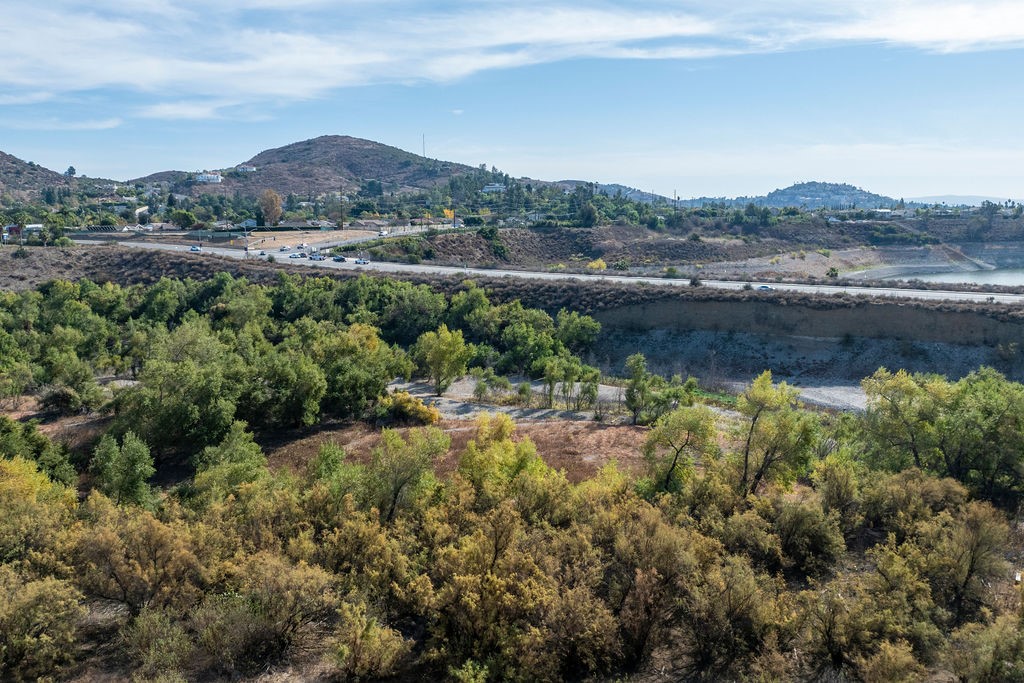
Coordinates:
<point>339,259</point>
<point>766,288</point>
<point>286,248</point>
<point>298,254</point>
<point>195,247</point>
<point>362,261</point>
<point>262,253</point>
<point>316,257</point>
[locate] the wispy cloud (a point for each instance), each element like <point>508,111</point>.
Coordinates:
<point>193,111</point>
<point>25,98</point>
<point>195,59</point>
<point>57,124</point>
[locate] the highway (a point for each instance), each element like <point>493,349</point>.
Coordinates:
<point>400,268</point>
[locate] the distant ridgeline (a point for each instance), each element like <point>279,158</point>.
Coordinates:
<point>811,195</point>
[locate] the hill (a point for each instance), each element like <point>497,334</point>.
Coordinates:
<point>616,189</point>
<point>329,163</point>
<point>826,195</point>
<point>19,177</point>
<point>810,195</point>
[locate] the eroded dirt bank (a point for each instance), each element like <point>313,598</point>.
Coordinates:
<point>722,337</point>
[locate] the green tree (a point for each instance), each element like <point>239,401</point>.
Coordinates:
<point>640,387</point>
<point>236,460</point>
<point>677,440</point>
<point>778,436</point>
<point>183,219</point>
<point>577,332</point>
<point>444,355</point>
<point>122,471</point>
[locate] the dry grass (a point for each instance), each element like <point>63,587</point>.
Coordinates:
<point>578,448</point>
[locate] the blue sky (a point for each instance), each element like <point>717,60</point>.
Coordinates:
<point>901,97</point>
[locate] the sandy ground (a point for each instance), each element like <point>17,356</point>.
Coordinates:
<point>859,263</point>
<point>273,241</point>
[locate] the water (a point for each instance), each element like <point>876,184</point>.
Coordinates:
<point>1009,276</point>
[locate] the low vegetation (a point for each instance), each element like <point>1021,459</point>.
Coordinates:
<point>767,543</point>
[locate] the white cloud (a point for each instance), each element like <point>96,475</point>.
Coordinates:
<point>190,53</point>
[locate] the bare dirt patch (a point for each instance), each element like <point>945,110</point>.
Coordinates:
<point>578,448</point>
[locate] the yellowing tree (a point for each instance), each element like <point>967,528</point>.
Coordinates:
<point>270,205</point>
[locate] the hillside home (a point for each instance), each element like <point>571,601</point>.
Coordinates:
<point>493,188</point>
<point>245,169</point>
<point>212,178</point>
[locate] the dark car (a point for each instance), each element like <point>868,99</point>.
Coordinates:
<point>339,259</point>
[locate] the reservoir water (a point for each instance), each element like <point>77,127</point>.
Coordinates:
<point>1008,276</point>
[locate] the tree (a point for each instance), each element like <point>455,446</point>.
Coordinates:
<point>576,331</point>
<point>71,172</point>
<point>184,219</point>
<point>587,215</point>
<point>123,470</point>
<point>444,354</point>
<point>401,470</point>
<point>366,648</point>
<point>236,460</point>
<point>131,557</point>
<point>270,206</point>
<point>38,619</point>
<point>677,440</point>
<point>779,436</point>
<point>639,389</point>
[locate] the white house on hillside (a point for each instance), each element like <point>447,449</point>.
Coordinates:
<point>206,177</point>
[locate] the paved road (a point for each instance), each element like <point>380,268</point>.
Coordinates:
<point>931,295</point>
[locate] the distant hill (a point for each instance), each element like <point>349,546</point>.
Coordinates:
<point>330,163</point>
<point>812,195</point>
<point>19,177</point>
<point>614,189</point>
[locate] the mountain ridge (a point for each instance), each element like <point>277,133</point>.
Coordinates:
<point>342,163</point>
<point>328,163</point>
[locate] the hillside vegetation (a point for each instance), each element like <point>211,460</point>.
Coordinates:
<point>767,543</point>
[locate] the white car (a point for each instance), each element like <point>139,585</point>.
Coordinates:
<point>195,247</point>
<point>362,261</point>
<point>286,248</point>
